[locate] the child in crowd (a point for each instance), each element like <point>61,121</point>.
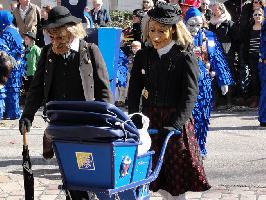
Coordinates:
<point>32,54</point>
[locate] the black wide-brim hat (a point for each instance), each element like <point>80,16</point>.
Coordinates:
<point>30,35</point>
<point>60,16</point>
<point>165,13</point>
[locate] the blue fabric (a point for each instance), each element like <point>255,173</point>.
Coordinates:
<point>88,16</point>
<point>2,102</point>
<point>202,109</point>
<point>192,12</point>
<point>6,18</point>
<point>218,60</point>
<point>122,70</point>
<point>262,75</point>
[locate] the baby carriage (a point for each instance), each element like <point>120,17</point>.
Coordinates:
<point>95,144</point>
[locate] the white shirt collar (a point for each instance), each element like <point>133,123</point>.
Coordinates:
<point>24,12</point>
<point>75,45</point>
<point>165,49</point>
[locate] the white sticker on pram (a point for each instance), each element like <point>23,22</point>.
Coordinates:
<point>85,160</point>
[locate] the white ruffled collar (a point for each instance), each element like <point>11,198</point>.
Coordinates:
<point>165,49</point>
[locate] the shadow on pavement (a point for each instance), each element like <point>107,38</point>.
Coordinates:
<point>237,128</point>
<point>5,162</point>
<point>50,174</point>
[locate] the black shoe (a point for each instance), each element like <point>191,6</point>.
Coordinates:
<point>263,124</point>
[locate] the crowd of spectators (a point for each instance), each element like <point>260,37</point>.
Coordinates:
<point>237,27</point>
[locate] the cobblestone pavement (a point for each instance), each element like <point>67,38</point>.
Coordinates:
<point>11,188</point>
<point>47,181</point>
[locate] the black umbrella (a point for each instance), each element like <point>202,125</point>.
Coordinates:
<point>27,171</point>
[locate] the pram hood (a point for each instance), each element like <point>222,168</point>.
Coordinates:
<point>89,121</point>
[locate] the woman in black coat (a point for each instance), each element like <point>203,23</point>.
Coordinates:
<point>226,32</point>
<point>165,76</point>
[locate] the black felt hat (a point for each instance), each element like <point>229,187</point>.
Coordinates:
<point>139,13</point>
<point>59,16</point>
<point>30,35</point>
<point>165,13</point>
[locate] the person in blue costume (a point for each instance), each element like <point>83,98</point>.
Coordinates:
<point>6,64</point>
<point>3,79</point>
<point>121,79</point>
<point>212,64</point>
<point>262,74</point>
<point>12,39</point>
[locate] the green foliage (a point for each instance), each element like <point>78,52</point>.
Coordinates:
<point>122,19</point>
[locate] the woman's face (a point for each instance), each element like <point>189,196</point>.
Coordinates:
<point>160,34</point>
<point>216,11</point>
<point>146,4</point>
<point>44,14</point>
<point>258,16</point>
<point>256,4</point>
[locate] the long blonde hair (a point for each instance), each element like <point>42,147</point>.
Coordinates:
<point>181,35</point>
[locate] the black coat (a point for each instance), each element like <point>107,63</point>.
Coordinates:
<point>93,73</point>
<point>226,34</point>
<point>171,82</point>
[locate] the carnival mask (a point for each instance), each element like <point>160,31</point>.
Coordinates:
<point>194,24</point>
<point>61,39</point>
<point>160,34</point>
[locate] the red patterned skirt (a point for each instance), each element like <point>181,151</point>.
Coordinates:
<point>182,168</point>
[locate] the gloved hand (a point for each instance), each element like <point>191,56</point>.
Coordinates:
<point>24,124</point>
<point>224,89</point>
<point>212,74</point>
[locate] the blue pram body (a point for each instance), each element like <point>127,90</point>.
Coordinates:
<point>96,148</point>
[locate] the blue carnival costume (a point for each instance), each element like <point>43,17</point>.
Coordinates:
<point>262,74</point>
<point>212,62</point>
<point>12,39</point>
<point>122,70</point>
<point>4,48</point>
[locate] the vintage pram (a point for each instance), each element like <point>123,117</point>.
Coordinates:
<point>95,144</point>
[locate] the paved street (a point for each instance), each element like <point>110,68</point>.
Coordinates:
<point>235,164</point>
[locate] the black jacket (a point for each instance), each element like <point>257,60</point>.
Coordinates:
<point>93,73</point>
<point>171,82</point>
<point>226,34</point>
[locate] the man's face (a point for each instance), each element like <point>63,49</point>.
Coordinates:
<point>61,39</point>
<point>97,5</point>
<point>135,48</point>
<point>159,34</point>
<point>24,2</point>
<point>194,24</point>
<point>135,19</point>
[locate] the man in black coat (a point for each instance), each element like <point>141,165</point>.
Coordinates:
<point>69,69</point>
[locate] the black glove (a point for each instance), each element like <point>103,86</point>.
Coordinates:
<point>24,123</point>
